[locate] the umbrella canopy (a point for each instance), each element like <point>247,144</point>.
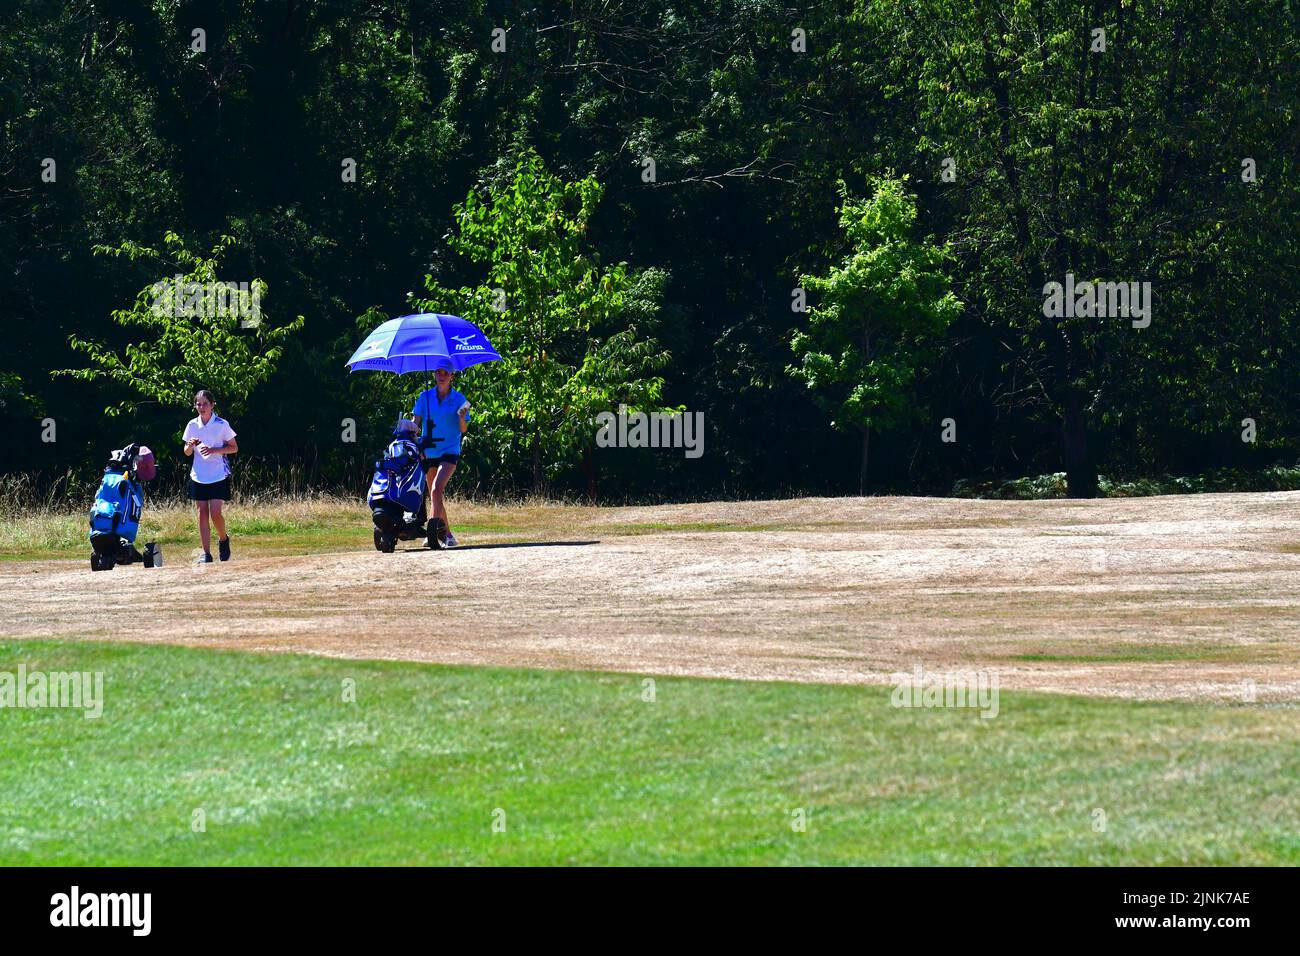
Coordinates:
<point>422,343</point>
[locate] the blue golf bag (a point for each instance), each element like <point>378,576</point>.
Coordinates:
<point>396,496</point>
<point>117,509</point>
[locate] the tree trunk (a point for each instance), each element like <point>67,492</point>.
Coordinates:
<point>539,487</point>
<point>866,430</point>
<point>589,469</point>
<point>862,471</point>
<point>1080,469</point>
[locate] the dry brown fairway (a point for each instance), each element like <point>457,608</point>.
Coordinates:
<point>1187,596</point>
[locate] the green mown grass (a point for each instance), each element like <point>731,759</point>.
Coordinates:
<point>588,772</point>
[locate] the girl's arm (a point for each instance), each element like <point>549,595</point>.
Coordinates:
<point>416,416</point>
<point>229,448</point>
<point>464,425</point>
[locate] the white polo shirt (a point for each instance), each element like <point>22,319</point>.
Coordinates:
<point>214,434</point>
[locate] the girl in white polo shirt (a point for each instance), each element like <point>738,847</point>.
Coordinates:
<point>212,437</point>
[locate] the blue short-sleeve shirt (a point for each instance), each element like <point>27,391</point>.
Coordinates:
<point>440,425</point>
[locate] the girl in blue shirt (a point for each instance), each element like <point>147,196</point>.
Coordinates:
<point>442,414</point>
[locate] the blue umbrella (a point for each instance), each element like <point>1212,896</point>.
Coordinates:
<point>422,343</point>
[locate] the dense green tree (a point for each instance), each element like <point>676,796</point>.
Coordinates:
<point>554,314</point>
<point>205,334</point>
<point>1124,163</point>
<point>879,314</point>
<point>1105,141</point>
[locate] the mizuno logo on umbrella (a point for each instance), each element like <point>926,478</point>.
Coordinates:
<point>462,344</point>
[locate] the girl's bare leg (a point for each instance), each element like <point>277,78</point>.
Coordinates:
<point>430,477</point>
<point>205,534</point>
<point>217,519</point>
<point>438,492</point>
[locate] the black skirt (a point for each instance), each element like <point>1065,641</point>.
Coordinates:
<point>211,491</point>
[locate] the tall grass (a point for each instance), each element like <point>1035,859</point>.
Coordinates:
<point>29,493</point>
<point>279,514</point>
<point>59,532</point>
<point>257,481</point>
<point>24,494</point>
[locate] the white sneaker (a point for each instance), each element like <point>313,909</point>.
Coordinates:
<point>451,541</point>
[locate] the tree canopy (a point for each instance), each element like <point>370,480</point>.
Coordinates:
<point>648,182</point>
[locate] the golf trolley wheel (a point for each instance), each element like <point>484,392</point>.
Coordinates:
<point>379,540</point>
<point>94,563</point>
<point>437,534</point>
<point>101,562</point>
